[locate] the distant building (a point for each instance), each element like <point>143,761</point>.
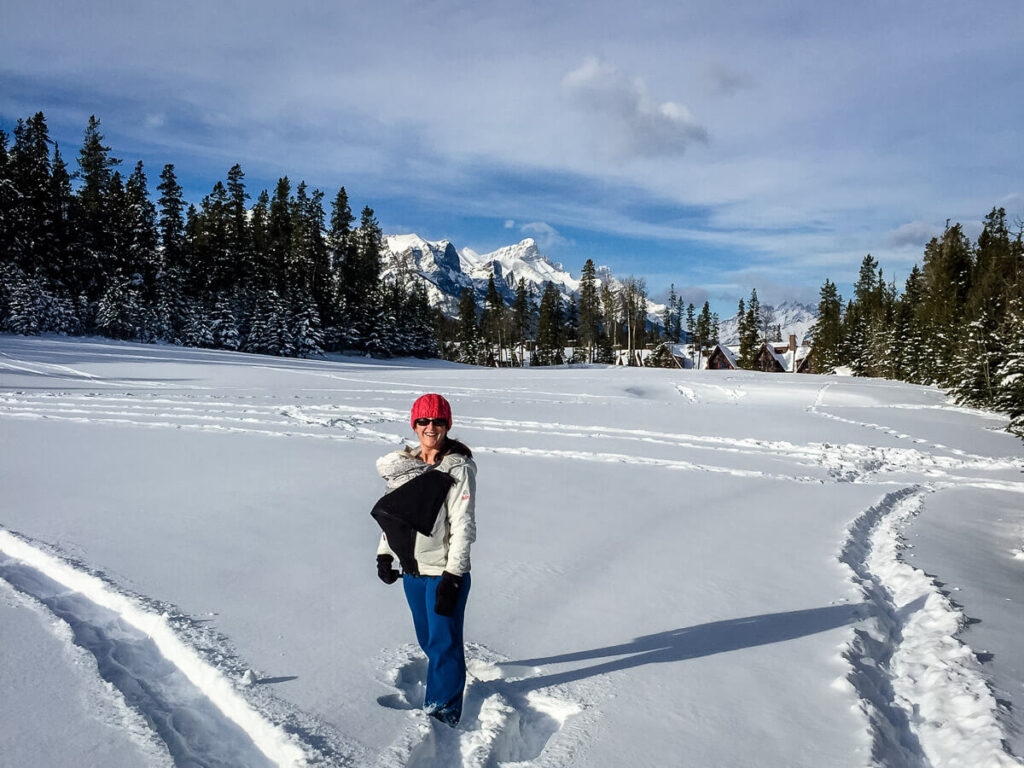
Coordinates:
<point>786,358</point>
<point>721,358</point>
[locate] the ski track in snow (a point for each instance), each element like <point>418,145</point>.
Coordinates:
<point>180,678</point>
<point>501,725</point>
<point>921,689</point>
<point>812,462</point>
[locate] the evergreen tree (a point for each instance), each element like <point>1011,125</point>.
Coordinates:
<point>279,236</point>
<point>470,343</point>
<point>668,320</point>
<point>224,327</point>
<point>171,223</point>
<point>363,276</point>
<point>492,322</point>
<point>306,332</point>
<point>828,330</point>
<point>419,322</point>
<point>750,339</point>
<point>24,301</point>
<point>521,318</point>
<point>589,310</point>
<point>703,332</point>
<point>95,227</point>
<point>550,321</point>
<point>8,201</point>
<point>571,332</point>
<point>745,358</point>
<point>610,325</point>
<point>262,268</point>
<point>691,327</point>
<point>237,246</point>
<point>141,234</point>
<point>947,270</point>
<point>343,261</point>
<point>120,312</point>
<point>33,210</point>
<point>1010,374</point>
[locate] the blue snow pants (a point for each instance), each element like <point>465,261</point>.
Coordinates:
<point>440,637</point>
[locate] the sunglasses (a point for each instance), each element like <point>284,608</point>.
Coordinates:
<point>435,422</point>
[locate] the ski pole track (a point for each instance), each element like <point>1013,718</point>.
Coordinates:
<point>179,675</point>
<point>816,406</point>
<point>214,413</point>
<point>922,690</point>
<point>54,370</point>
<point>501,724</point>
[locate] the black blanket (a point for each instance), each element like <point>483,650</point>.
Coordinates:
<point>410,509</point>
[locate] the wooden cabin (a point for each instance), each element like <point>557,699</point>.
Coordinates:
<point>721,359</point>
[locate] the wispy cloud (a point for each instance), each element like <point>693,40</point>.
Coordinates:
<point>547,236</point>
<point>912,234</point>
<point>694,139</point>
<point>635,124</point>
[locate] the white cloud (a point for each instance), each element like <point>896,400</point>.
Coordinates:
<point>510,223</point>
<point>547,237</point>
<point>913,234</point>
<point>635,124</point>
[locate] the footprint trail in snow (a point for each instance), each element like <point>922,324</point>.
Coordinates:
<point>503,721</point>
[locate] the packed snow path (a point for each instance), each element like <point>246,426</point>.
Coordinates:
<point>673,567</point>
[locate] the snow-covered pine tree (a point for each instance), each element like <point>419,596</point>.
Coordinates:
<point>589,310</point>
<point>384,340</point>
<point>196,329</point>
<point>306,331</point>
<point>280,340</point>
<point>340,245</point>
<point>417,322</point>
<point>975,362</point>
<point>746,352</point>
<point>550,322</point>
<point>469,340</point>
<point>25,302</point>
<point>96,228</point>
<point>119,310</point>
<point>521,320</point>
<point>238,265</point>
<point>1010,373</point>
<point>8,200</point>
<point>224,323</point>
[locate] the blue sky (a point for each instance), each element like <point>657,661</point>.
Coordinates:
<point>716,146</point>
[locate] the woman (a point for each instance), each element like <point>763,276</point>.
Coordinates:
<point>429,526</point>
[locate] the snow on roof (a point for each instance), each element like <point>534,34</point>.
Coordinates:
<point>729,353</point>
<point>781,359</point>
<point>801,354</point>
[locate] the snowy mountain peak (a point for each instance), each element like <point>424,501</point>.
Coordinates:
<point>447,270</point>
<point>792,317</point>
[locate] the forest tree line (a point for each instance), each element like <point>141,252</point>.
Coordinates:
<point>275,276</point>
<point>600,320</point>
<point>958,322</point>
<point>90,252</point>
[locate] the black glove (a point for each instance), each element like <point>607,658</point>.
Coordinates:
<point>447,594</point>
<point>385,572</point>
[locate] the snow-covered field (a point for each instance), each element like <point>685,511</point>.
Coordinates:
<point>674,568</point>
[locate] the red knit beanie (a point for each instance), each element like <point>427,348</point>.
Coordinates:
<point>431,407</point>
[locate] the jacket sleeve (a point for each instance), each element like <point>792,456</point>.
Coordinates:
<point>461,503</point>
<point>384,549</point>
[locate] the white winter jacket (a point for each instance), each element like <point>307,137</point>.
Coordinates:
<point>447,546</point>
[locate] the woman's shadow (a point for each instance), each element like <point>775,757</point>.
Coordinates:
<point>692,643</point>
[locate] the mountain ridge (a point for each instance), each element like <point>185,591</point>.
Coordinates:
<point>445,270</point>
